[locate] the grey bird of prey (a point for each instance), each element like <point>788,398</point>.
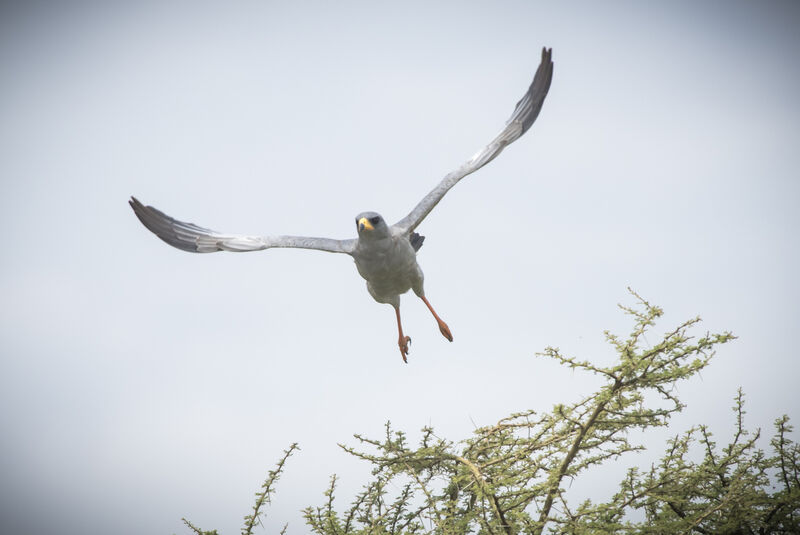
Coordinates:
<point>386,256</point>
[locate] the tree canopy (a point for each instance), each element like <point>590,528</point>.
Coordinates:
<point>510,477</point>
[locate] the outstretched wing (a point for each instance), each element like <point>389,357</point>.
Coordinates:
<point>524,115</point>
<point>190,237</point>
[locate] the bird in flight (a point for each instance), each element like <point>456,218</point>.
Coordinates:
<point>385,256</point>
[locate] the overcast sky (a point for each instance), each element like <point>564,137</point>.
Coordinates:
<point>140,384</point>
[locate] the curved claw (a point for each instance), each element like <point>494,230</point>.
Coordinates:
<point>403,342</point>
<point>445,330</point>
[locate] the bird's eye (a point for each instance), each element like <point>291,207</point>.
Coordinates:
<point>375,220</point>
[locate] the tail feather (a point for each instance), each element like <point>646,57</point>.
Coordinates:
<point>416,241</point>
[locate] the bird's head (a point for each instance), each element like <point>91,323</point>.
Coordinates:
<point>372,225</point>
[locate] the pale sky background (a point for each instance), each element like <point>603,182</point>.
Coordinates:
<point>140,383</point>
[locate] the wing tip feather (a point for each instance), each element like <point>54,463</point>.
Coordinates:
<point>164,227</point>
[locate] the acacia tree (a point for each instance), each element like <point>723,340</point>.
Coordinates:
<point>509,478</point>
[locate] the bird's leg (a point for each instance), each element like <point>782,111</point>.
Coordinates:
<point>443,328</point>
<point>403,341</point>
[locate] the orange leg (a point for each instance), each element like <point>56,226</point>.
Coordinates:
<point>403,341</point>
<point>443,328</point>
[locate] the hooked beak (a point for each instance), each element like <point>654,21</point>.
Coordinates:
<point>364,223</point>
